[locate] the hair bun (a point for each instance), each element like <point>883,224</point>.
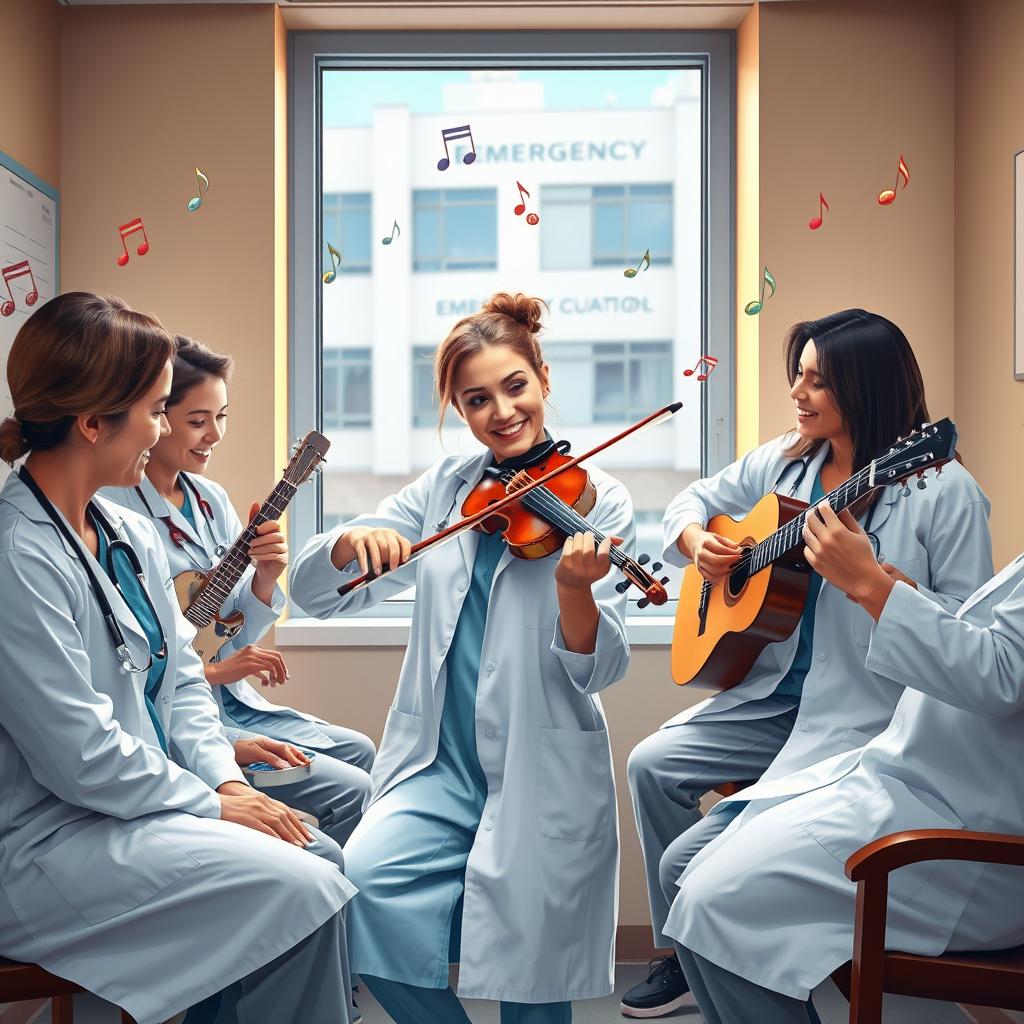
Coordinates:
<point>12,441</point>
<point>522,308</point>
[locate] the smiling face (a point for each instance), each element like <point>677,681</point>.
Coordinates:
<point>818,417</point>
<point>198,423</point>
<point>501,398</point>
<point>123,449</point>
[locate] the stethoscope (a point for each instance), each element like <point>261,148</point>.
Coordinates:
<point>114,545</point>
<point>178,536</point>
<point>803,464</point>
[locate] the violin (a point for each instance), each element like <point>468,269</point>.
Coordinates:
<point>540,521</point>
<point>502,498</point>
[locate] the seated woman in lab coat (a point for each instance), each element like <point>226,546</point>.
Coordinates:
<point>493,809</point>
<point>136,861</point>
<point>197,524</point>
<point>765,912</point>
<point>855,386</point>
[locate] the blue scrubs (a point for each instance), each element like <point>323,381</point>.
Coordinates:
<point>408,855</point>
<point>124,577</point>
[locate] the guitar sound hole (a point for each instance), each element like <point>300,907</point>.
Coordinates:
<point>738,580</point>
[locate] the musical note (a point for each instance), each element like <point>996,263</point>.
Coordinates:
<point>520,209</point>
<point>395,232</point>
<point>447,134</point>
<point>336,260</point>
<point>709,361</point>
<point>194,204</point>
<point>645,258</point>
<point>753,308</point>
<point>886,196</point>
<point>16,270</point>
<point>129,229</point>
<point>815,222</point>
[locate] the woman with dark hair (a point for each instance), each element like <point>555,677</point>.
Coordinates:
<point>856,387</point>
<point>197,523</point>
<point>491,838</point>
<point>125,864</point>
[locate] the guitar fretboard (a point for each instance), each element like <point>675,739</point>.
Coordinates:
<point>210,599</point>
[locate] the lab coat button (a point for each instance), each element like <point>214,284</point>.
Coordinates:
<point>489,826</point>
<point>489,733</point>
<point>166,700</point>
<point>491,666</point>
<point>820,656</point>
<point>804,727</point>
<point>460,586</point>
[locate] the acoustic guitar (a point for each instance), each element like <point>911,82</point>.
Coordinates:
<point>721,628</point>
<point>201,595</point>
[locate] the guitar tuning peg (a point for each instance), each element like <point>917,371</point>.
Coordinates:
<point>905,493</point>
<point>921,485</point>
<point>643,559</point>
<point>642,603</point>
<point>664,580</point>
<point>622,586</point>
<point>655,566</point>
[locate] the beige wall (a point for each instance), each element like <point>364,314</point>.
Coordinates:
<point>989,130</point>
<point>831,93</point>
<point>30,112</point>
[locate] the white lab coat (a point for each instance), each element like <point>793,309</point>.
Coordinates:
<point>117,871</point>
<point>768,899</point>
<point>938,536</point>
<point>542,879</point>
<point>205,546</point>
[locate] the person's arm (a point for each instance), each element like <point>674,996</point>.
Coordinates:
<point>980,669</point>
<point>595,652</point>
<point>65,727</point>
<point>321,566</point>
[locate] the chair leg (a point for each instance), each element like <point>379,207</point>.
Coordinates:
<point>62,1009</point>
<point>127,1018</point>
<point>868,969</point>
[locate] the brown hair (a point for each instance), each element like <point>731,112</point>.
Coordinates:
<point>871,374</point>
<point>505,319</point>
<point>194,362</point>
<point>78,353</point>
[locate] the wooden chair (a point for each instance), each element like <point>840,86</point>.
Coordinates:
<point>728,788</point>
<point>19,982</point>
<point>993,978</point>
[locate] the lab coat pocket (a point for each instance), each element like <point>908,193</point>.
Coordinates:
<point>851,740</point>
<point>576,798</point>
<point>112,867</point>
<point>890,808</point>
<point>402,732</point>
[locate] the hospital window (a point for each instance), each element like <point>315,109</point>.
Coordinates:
<point>609,382</point>
<point>347,217</point>
<point>347,375</point>
<point>455,229</point>
<point>424,401</point>
<point>605,225</point>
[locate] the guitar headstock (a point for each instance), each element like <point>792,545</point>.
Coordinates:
<point>933,445</point>
<point>307,456</point>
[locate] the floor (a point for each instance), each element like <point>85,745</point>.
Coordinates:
<point>831,1006</point>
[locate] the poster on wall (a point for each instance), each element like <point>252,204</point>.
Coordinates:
<point>1018,267</point>
<point>29,233</point>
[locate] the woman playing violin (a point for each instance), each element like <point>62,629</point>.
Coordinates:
<point>491,835</point>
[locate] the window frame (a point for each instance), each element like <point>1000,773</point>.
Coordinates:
<point>310,54</point>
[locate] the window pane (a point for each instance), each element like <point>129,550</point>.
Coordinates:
<point>427,233</point>
<point>609,391</point>
<point>471,235</point>
<point>565,232</point>
<point>355,240</point>
<point>609,232</point>
<point>650,227</point>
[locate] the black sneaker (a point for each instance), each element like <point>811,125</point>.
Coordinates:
<point>664,990</point>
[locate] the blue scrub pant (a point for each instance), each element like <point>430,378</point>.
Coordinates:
<point>411,1004</point>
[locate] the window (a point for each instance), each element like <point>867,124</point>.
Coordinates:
<point>347,374</point>
<point>623,143</point>
<point>347,227</point>
<point>455,229</point>
<point>605,225</point>
<point>424,400</point>
<point>609,382</point>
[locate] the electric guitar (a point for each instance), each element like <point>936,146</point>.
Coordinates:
<point>721,628</point>
<point>201,595</point>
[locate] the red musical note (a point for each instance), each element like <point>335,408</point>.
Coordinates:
<point>709,361</point>
<point>129,229</point>
<point>9,274</point>
<point>462,132</point>
<point>886,196</point>
<point>815,222</point>
<point>531,218</point>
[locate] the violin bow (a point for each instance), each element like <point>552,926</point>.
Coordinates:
<point>450,533</point>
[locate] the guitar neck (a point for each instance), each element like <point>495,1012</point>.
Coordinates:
<point>787,537</point>
<point>223,577</point>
